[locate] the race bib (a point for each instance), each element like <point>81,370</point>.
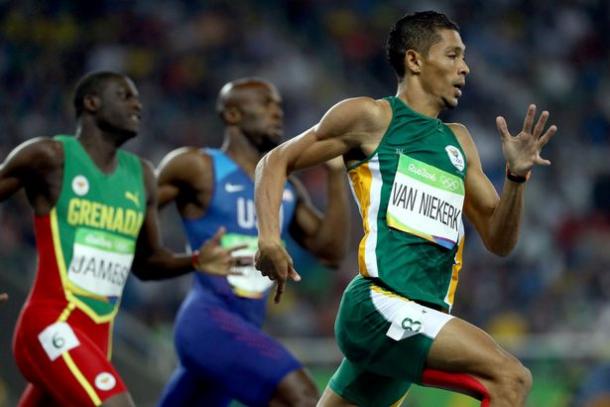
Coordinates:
<point>426,201</point>
<point>57,339</point>
<point>251,283</point>
<point>100,262</point>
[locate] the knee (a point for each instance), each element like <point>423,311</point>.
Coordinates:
<point>514,381</point>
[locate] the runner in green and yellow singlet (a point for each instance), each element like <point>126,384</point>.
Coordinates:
<point>413,177</point>
<point>95,209</point>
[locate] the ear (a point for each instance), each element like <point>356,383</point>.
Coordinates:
<point>413,62</point>
<point>92,103</point>
<point>231,115</point>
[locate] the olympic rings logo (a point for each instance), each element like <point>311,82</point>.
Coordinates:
<point>450,183</point>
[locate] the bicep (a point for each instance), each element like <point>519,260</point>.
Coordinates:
<point>345,126</point>
<point>149,238</point>
<point>21,165</point>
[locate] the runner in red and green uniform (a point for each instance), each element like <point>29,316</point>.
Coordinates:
<point>95,220</point>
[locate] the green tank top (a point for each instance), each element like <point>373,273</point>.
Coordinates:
<point>410,192</point>
<point>97,220</point>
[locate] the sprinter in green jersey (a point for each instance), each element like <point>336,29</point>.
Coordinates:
<point>413,177</point>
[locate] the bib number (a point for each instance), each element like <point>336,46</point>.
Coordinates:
<point>100,262</point>
<point>250,283</point>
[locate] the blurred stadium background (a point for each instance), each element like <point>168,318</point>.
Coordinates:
<point>549,302</point>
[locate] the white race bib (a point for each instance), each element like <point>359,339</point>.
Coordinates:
<point>427,202</point>
<point>100,262</point>
<point>251,283</point>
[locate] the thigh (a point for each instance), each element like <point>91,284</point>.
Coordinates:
<point>34,396</point>
<point>364,388</point>
<point>220,347</point>
<point>385,333</point>
<point>63,362</point>
<point>463,348</point>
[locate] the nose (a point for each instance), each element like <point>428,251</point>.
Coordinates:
<point>464,68</point>
<point>277,111</point>
<point>137,105</point>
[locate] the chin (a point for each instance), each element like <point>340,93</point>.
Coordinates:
<point>450,103</point>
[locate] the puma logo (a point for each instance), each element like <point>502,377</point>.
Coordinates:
<point>133,198</point>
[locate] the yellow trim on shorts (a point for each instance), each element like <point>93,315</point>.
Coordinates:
<point>81,379</point>
<point>400,400</point>
<point>387,293</point>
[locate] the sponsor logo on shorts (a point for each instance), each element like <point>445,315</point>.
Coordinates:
<point>105,381</point>
<point>80,185</point>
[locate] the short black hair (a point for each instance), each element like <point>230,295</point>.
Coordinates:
<point>92,83</point>
<point>417,31</point>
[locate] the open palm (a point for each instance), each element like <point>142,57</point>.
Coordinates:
<point>522,151</point>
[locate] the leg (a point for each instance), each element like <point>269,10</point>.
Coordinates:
<point>231,355</point>
<point>296,389</point>
<point>34,396</point>
<point>186,390</point>
<point>354,385</point>
<point>464,358</point>
<point>68,367</point>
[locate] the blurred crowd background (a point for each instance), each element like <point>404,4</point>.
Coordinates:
<point>556,54</point>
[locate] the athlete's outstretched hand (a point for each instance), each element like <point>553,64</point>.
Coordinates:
<point>214,259</point>
<point>522,151</point>
<point>274,262</point>
<point>3,297</point>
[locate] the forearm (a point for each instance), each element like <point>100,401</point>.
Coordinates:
<point>505,222</point>
<point>163,264</point>
<point>331,236</point>
<point>271,175</point>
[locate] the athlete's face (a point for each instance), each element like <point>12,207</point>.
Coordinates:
<point>120,107</point>
<point>261,115</point>
<point>444,68</point>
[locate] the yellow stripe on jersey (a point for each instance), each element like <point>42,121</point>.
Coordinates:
<point>81,379</point>
<point>455,272</point>
<point>366,183</point>
<point>360,178</point>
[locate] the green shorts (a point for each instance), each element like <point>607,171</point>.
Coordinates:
<point>385,339</point>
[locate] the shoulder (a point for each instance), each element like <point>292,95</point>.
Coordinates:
<point>41,152</point>
<point>363,110</point>
<point>464,138</point>
<point>184,159</point>
<point>355,118</point>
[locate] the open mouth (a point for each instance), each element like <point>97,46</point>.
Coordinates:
<point>458,88</point>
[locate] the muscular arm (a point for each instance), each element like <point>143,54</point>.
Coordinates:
<point>153,261</point>
<point>496,218</point>
<point>346,126</point>
<point>324,235</point>
<point>35,165</point>
<point>184,176</point>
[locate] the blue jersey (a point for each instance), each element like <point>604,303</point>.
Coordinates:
<point>232,206</point>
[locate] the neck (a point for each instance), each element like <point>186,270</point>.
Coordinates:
<point>100,146</point>
<point>237,146</point>
<point>412,93</point>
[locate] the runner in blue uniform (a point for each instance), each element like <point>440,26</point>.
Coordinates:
<point>223,353</point>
